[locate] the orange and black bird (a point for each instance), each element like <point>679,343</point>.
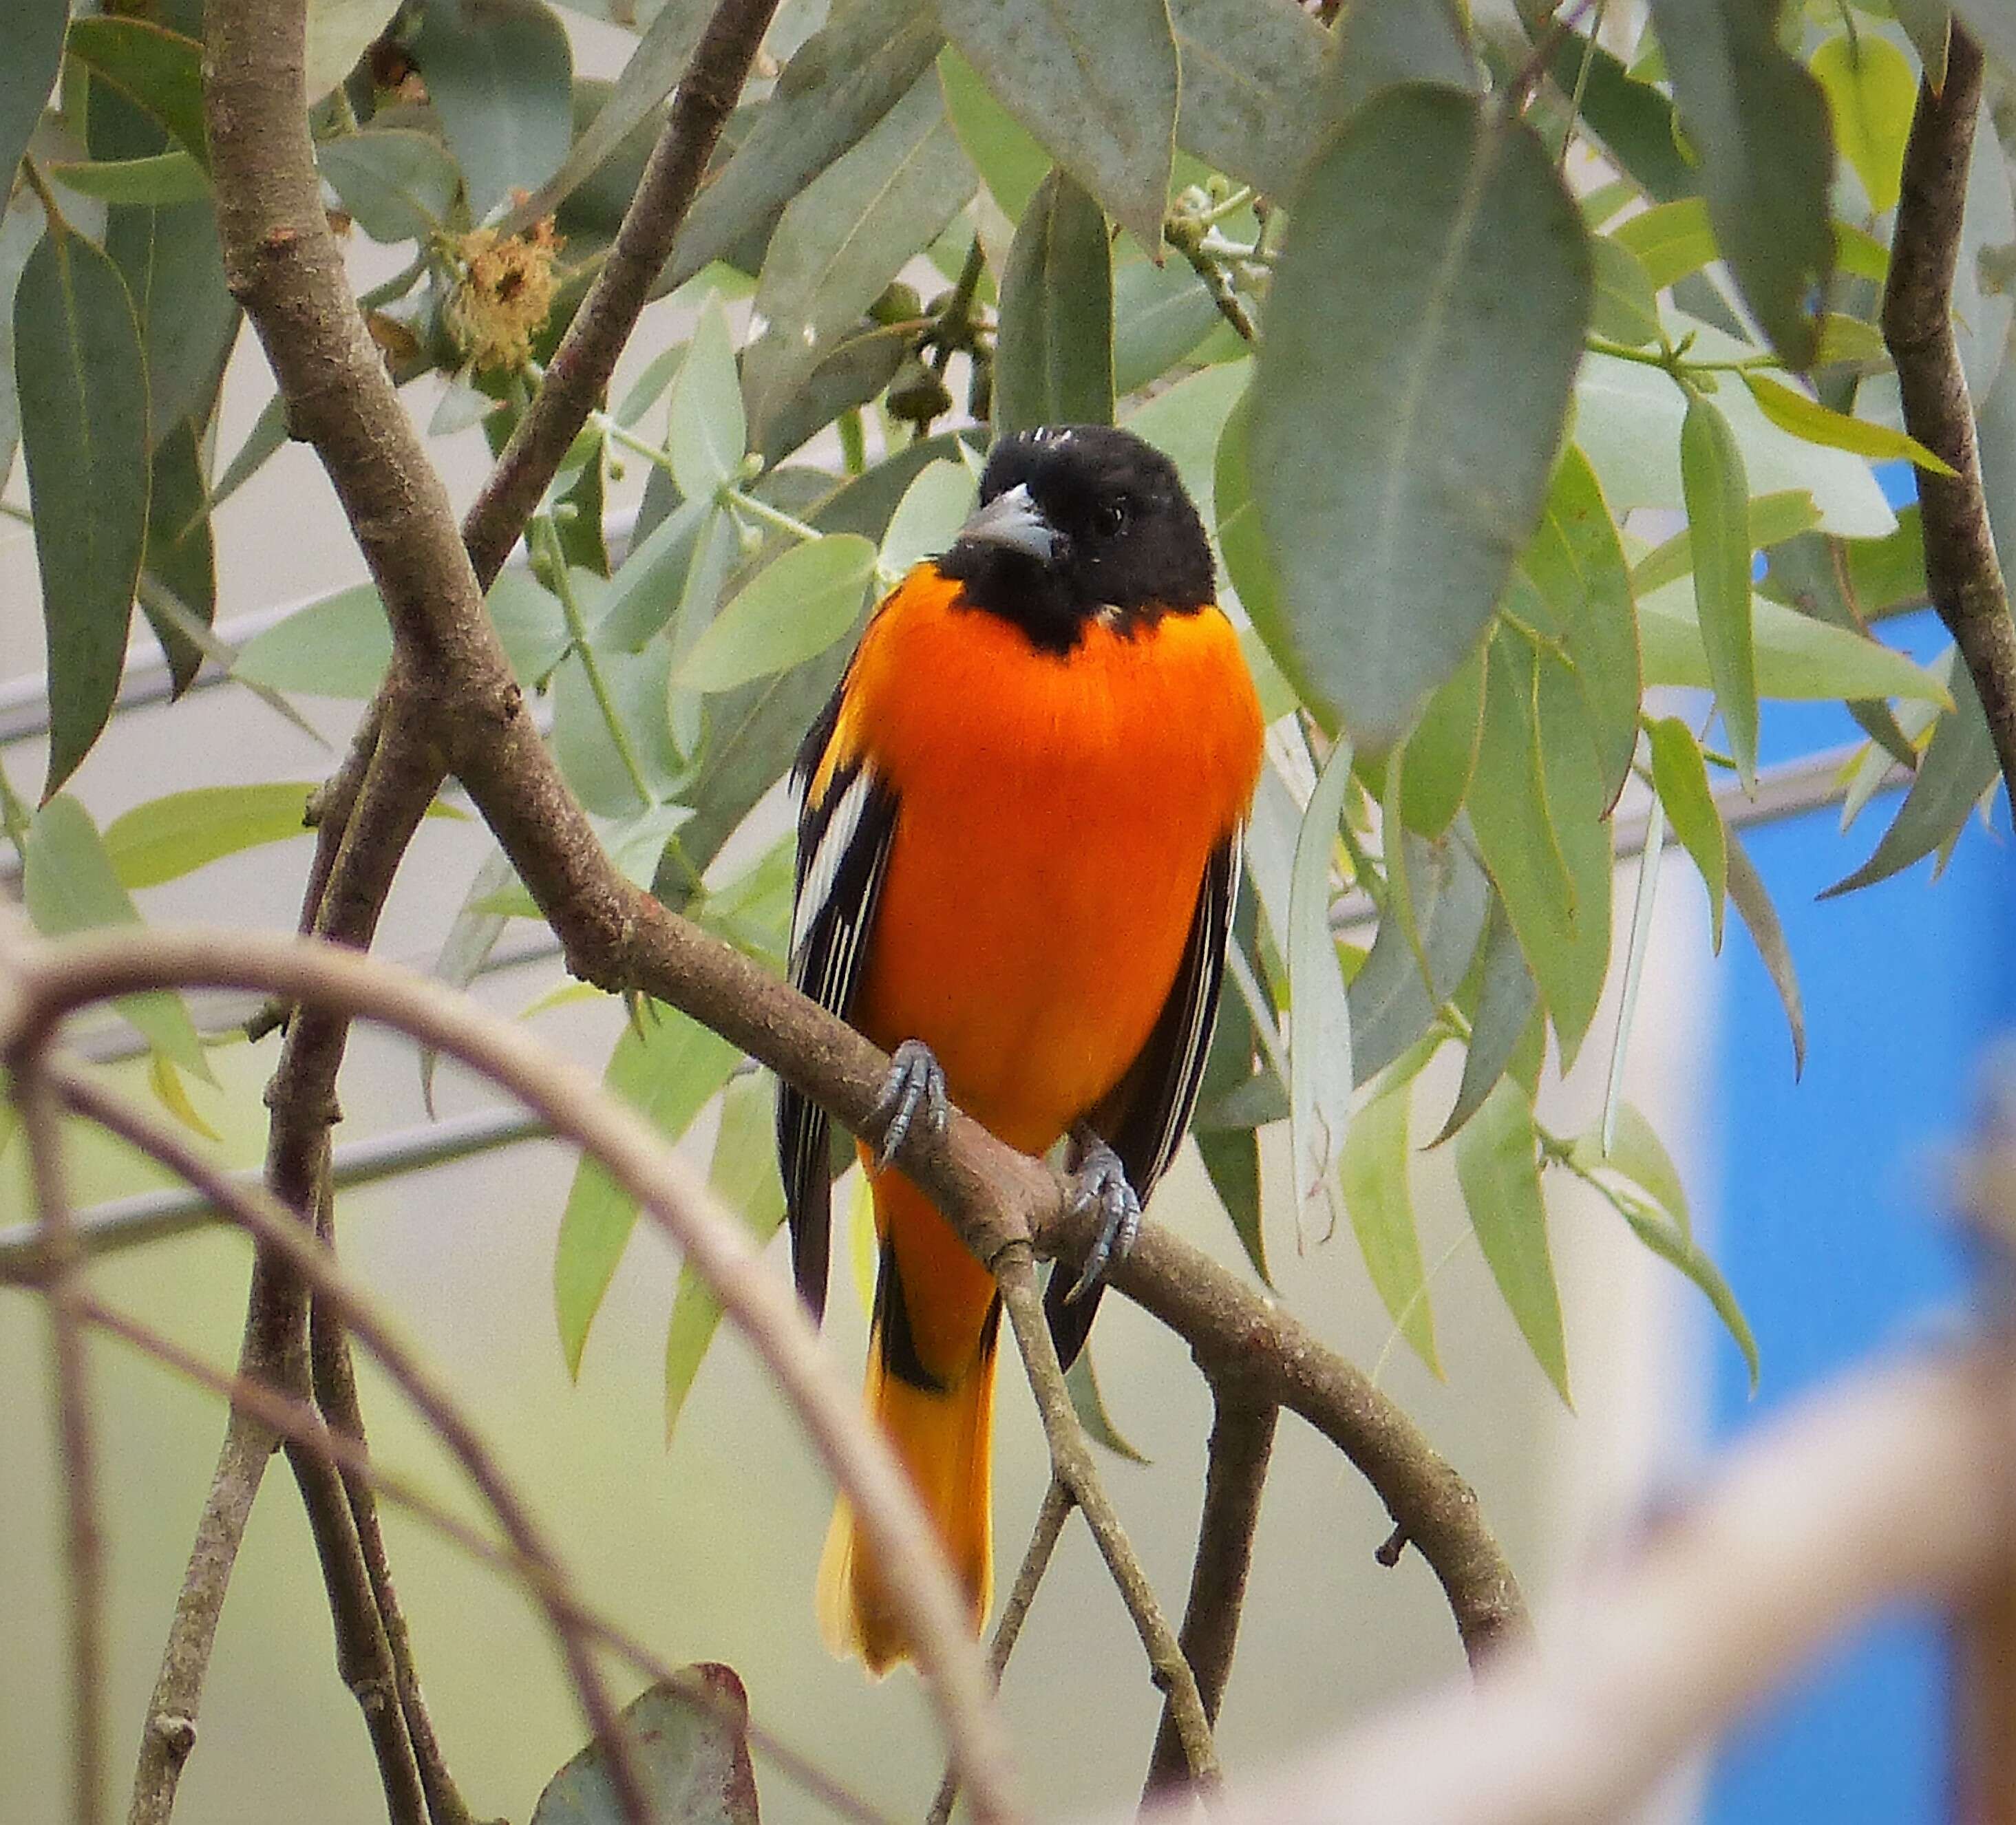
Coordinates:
<point>1018,856</point>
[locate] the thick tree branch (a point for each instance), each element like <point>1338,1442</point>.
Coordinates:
<point>586,358</point>
<point>1242,1442</point>
<point>34,1096</point>
<point>1964,580</point>
<point>1071,1464</point>
<point>51,981</point>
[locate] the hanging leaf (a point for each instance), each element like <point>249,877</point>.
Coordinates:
<point>1381,1207</point>
<point>83,388</point>
<point>1637,1153</point>
<point>1388,324</point>
<point>1320,1067</point>
<point>837,85</point>
<point>1632,119</point>
<point>705,434</point>
<point>799,606</point>
<point>1959,766</point>
<point>1251,74</point>
<point>1379,44</point>
<point>1760,919</point>
<point>68,885</point>
<point>1054,365</point>
<point>744,1177</point>
<point>689,1745</point>
<point>1440,757</point>
<point>840,243</point>
<point>668,1067</point>
<point>168,837</point>
<point>1537,806</point>
<point>500,74</point>
<point>1498,1165</point>
<point>1774,519</point>
<point>1507,998</point>
<point>1870,84</point>
<point>1392,1004</point>
<point>1626,310</point>
<point>1095,81</point>
<point>928,517</point>
<point>1760,123</point>
<point>1231,1152</point>
<point>396,184</point>
<point>1679,775</point>
<point>1082,1382</point>
<point>1011,161</point>
<point>1718,525</point>
<point>27,73</point>
<point>1160,313</point>
<point>181,557</point>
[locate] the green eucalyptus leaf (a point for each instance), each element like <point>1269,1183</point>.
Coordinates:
<point>1637,1153</point>
<point>1958,766</point>
<point>589,759</point>
<point>1626,310</point>
<point>928,517</point>
<point>180,553</point>
<point>156,180</point>
<point>1632,119</point>
<point>1760,123</point>
<point>1871,89</point>
<point>1320,1076</point>
<point>339,32</point>
<point>500,74</point>
<point>1095,81</point>
<point>160,71</point>
<point>1251,71</point>
<point>1536,805</point>
<point>69,884</point>
<point>1508,999</point>
<point>1010,160</point>
<point>1159,315</point>
<point>1380,44</point>
<point>1082,1382</point>
<point>668,1067</point>
<point>837,85</point>
<point>744,1177</point>
<point>1669,240</point>
<point>27,73</point>
<point>1679,775</point>
<point>1497,1163</point>
<point>397,185</point>
<point>1928,24</point>
<point>1054,364</point>
<point>1760,919</point>
<point>1792,411</point>
<point>856,368</point>
<point>1391,319</point>
<point>336,647</point>
<point>1672,1245</point>
<point>1187,422</point>
<point>82,377</point>
<point>705,433</point>
<point>20,230</point>
<point>1773,518</point>
<point>1378,1200</point>
<point>799,606</point>
<point>1719,526</point>
<point>1406,977</point>
<point>1231,1154</point>
<point>841,241</point>
<point>168,837</point>
<point>1440,757</point>
<point>689,1746</point>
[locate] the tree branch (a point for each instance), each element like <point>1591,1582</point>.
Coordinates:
<point>1057,1504</point>
<point>1071,1464</point>
<point>301,1423</point>
<point>1965,581</point>
<point>53,980</point>
<point>34,1096</point>
<point>1242,1441</point>
<point>586,358</point>
<point>1878,1492</point>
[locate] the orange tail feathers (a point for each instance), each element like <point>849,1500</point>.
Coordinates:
<point>939,1415</point>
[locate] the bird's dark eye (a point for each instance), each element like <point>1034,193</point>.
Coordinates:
<point>1108,517</point>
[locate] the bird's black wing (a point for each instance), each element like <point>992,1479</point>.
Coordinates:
<point>1144,1119</point>
<point>844,835</point>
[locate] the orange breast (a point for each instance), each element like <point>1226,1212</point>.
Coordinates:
<point>1056,815</point>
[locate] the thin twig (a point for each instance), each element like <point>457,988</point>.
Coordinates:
<point>309,1261</point>
<point>53,980</point>
<point>1072,1463</point>
<point>1050,1518</point>
<point>1965,583</point>
<point>1242,1441</point>
<point>586,358</point>
<point>34,1096</point>
<point>283,1417</point>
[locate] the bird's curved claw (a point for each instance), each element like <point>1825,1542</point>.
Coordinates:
<point>916,1087</point>
<point>1102,1185</point>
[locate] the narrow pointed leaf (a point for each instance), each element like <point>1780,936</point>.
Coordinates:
<point>1679,775</point>
<point>168,837</point>
<point>1507,998</point>
<point>1418,224</point>
<point>1774,519</point>
<point>1082,1382</point>
<point>1718,524</point>
<point>27,73</point>
<point>1758,123</point>
<point>1054,364</point>
<point>705,434</point>
<point>1381,1205</point>
<point>1440,757</point>
<point>1010,160</point>
<point>83,390</point>
<point>1095,81</point>
<point>1319,1069</point>
<point>1391,1003</point>
<point>181,556</point>
<point>160,71</point>
<point>800,604</point>
<point>1760,919</point>
<point>1497,1163</point>
<point>1792,411</point>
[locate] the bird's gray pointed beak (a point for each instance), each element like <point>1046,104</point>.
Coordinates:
<point>1013,521</point>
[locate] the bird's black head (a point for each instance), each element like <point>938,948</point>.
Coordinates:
<point>1080,524</point>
